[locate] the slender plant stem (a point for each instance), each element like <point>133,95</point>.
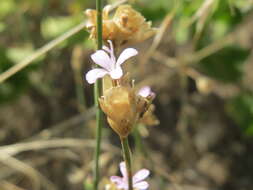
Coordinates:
<point>99,24</point>
<point>127,158</point>
<point>97,94</point>
<point>99,120</point>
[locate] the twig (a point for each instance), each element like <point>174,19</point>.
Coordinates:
<point>58,128</point>
<point>197,56</point>
<point>41,161</point>
<point>171,62</point>
<point>46,48</point>
<point>9,186</point>
<point>210,49</point>
<point>17,148</point>
<point>21,65</point>
<point>35,176</point>
<point>159,36</point>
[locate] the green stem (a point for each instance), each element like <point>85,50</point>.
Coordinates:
<point>99,24</point>
<point>97,94</point>
<point>127,158</point>
<point>99,123</point>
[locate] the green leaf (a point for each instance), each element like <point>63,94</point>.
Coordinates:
<point>13,87</point>
<point>17,54</point>
<point>52,27</point>
<point>241,110</point>
<point>2,26</point>
<point>6,7</point>
<point>226,64</point>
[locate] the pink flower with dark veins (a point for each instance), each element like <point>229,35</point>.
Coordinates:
<point>138,179</point>
<point>105,58</point>
<point>146,92</point>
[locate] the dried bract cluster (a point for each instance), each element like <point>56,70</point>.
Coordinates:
<point>127,26</point>
<point>149,118</point>
<point>123,107</point>
<point>119,104</point>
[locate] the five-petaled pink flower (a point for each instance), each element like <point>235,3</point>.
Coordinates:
<point>146,92</point>
<point>138,183</point>
<point>109,65</point>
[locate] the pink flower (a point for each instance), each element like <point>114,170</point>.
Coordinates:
<point>146,92</point>
<point>138,183</point>
<point>109,65</point>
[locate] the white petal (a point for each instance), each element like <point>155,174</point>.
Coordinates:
<point>107,9</point>
<point>116,179</point>
<point>120,183</point>
<point>141,185</point>
<point>116,73</point>
<point>122,167</point>
<point>123,186</point>
<point>140,175</point>
<point>112,51</point>
<point>126,54</point>
<point>145,91</point>
<point>106,49</point>
<point>94,74</point>
<point>102,59</point>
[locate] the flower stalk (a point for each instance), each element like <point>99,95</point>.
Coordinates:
<point>127,158</point>
<point>97,94</point>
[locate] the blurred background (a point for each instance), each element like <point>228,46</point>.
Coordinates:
<point>199,64</point>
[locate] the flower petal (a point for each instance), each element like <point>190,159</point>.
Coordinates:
<point>140,175</point>
<point>106,49</point>
<point>102,59</point>
<point>116,73</point>
<point>94,74</point>
<point>141,185</point>
<point>112,51</point>
<point>122,186</point>
<point>145,91</point>
<point>116,179</point>
<point>122,167</point>
<point>120,183</point>
<point>126,54</point>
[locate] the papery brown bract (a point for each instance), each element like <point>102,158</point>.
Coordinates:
<point>119,104</point>
<point>132,25</point>
<point>124,107</point>
<point>92,19</point>
<point>149,118</point>
<point>126,27</point>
